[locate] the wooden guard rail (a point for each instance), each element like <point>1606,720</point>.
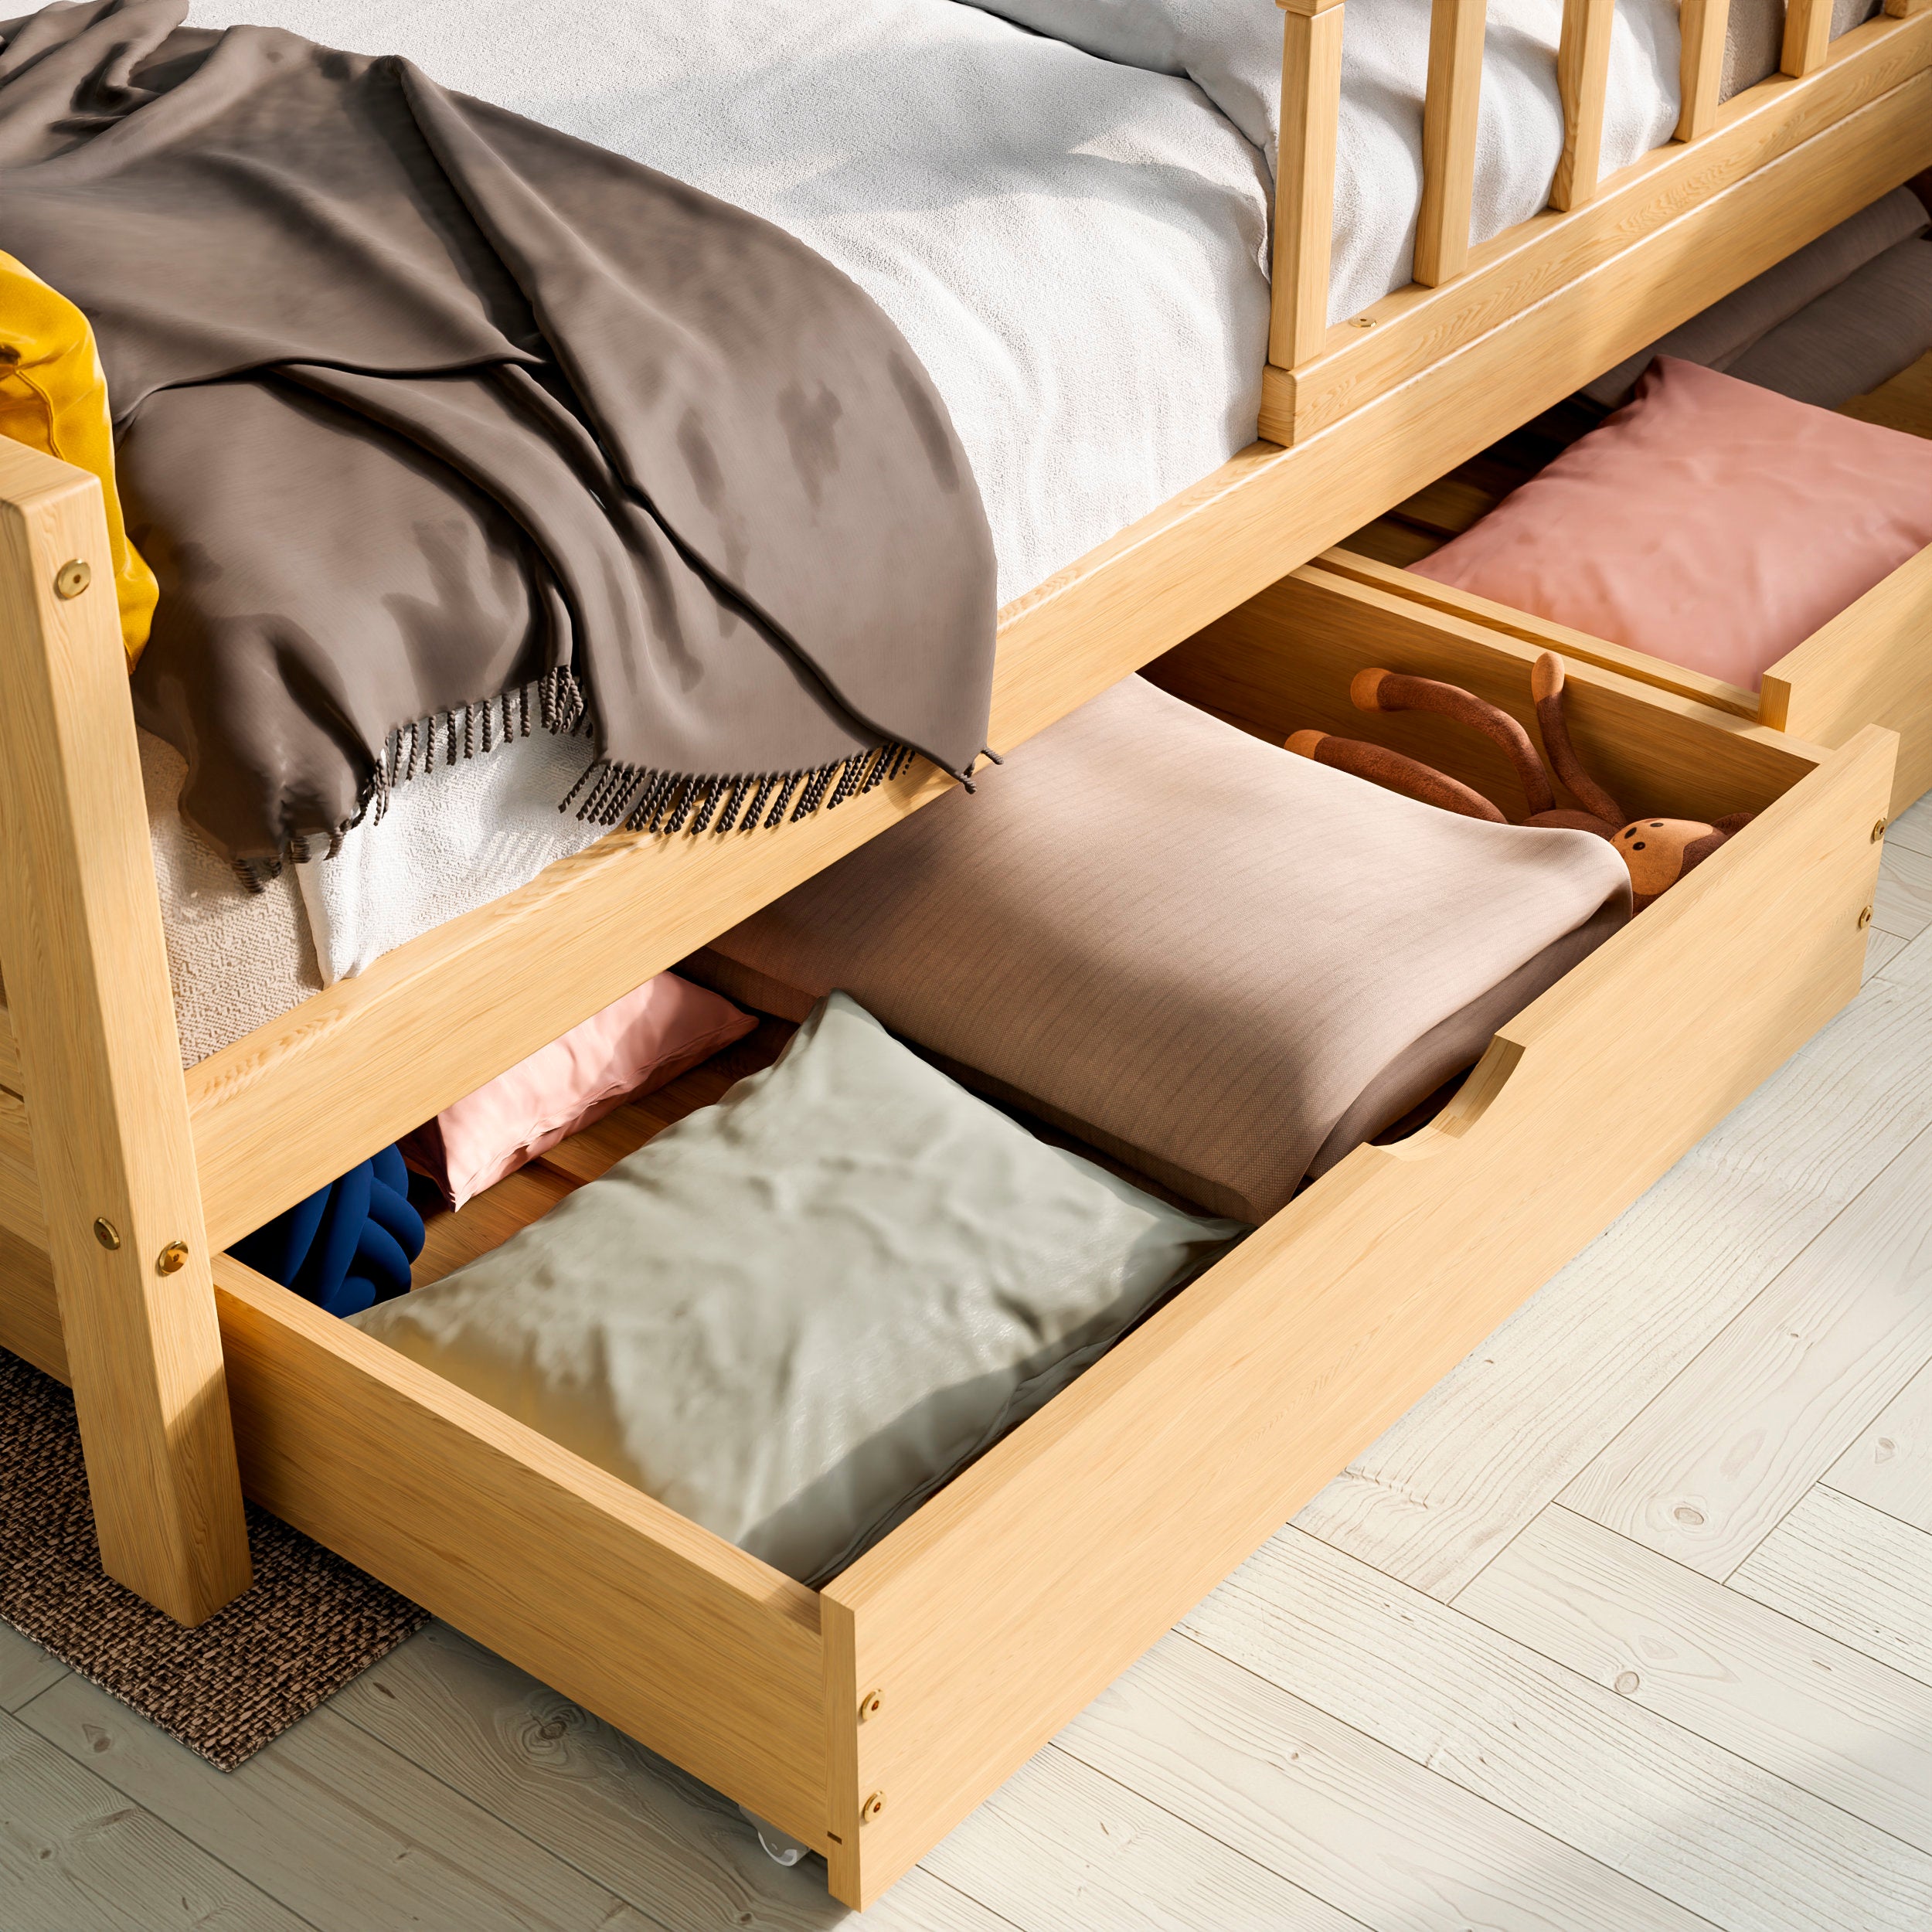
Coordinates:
<point>1310,108</point>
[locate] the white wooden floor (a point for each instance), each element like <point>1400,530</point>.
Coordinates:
<point>1626,1628</point>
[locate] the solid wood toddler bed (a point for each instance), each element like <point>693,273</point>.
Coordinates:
<point>867,1718</point>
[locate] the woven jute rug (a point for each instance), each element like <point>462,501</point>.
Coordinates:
<point>308,1623</point>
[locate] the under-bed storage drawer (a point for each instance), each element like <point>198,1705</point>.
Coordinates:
<point>1870,665</point>
<point>867,1719</point>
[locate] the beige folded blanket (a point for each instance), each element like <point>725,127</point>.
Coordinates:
<point>1189,946</point>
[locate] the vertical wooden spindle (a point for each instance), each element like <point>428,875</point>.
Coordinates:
<point>1449,141</point>
<point>1583,77</point>
<point>1701,66</point>
<point>1304,178</point>
<point>1807,33</point>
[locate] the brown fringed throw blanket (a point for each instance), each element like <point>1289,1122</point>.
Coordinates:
<point>432,421</point>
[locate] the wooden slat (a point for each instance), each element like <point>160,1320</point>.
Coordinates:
<point>1449,141</point>
<point>1867,665</point>
<point>1715,1462</point>
<point>1330,1321</point>
<point>1693,1821</point>
<point>1445,1489</point>
<point>1905,9</point>
<point>1803,1707</point>
<point>1486,614</point>
<point>86,976</point>
<point>1852,1573</point>
<point>20,1210</point>
<point>1582,79</point>
<point>1305,183</point>
<point>1715,241</point>
<point>1701,66</point>
<point>679,1637</point>
<point>11,1077</point>
<point>1808,35</point>
<point>1391,1843</point>
<point>1890,1467</point>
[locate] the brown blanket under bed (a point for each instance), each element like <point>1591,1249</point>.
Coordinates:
<point>431,418</point>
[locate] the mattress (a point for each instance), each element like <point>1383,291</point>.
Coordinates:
<point>1075,246</point>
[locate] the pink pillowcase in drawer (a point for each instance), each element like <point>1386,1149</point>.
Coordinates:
<point>649,1037</point>
<point>1710,522</point>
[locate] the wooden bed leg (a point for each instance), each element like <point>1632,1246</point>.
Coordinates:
<point>86,975</point>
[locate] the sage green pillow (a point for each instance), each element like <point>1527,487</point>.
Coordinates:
<point>794,1314</point>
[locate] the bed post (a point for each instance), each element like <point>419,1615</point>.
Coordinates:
<point>1304,178</point>
<point>86,968</point>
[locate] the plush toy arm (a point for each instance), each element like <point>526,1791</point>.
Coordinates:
<point>1394,773</point>
<point>1396,691</point>
<point>1546,687</point>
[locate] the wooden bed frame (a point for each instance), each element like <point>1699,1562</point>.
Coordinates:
<point>866,1719</point>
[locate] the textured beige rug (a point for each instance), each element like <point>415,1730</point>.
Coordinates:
<point>310,1623</point>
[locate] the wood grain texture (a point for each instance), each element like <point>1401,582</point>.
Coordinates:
<point>1889,1466</point>
<point>1293,1339</point>
<point>1304,184</point>
<point>1489,615</point>
<point>1433,1499</point>
<point>1449,106</point>
<point>1796,1704</point>
<point>75,1857</point>
<point>1582,81</point>
<point>1869,665</point>
<point>29,1311</point>
<point>1708,1830</point>
<point>1712,1466</point>
<point>11,1077</point>
<point>1807,36</point>
<point>1060,1848</point>
<point>344,1831</point>
<point>1671,229</point>
<point>25,1669</point>
<point>1903,403</point>
<point>1850,1572</point>
<point>1389,1842</point>
<point>689,1643</point>
<point>86,974</point>
<point>628,1819</point>
<point>1902,904</point>
<point>1701,66</point>
<point>21,1213</point>
<point>485,1221</point>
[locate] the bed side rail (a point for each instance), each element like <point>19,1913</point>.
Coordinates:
<point>1319,373</point>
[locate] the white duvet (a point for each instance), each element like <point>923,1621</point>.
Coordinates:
<point>1073,245</point>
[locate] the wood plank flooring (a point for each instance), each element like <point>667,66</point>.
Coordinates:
<point>1626,1627</point>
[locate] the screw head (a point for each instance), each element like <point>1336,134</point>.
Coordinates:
<point>872,1808</point>
<point>172,1258</point>
<point>868,1705</point>
<point>1865,917</point>
<point>72,577</point>
<point>107,1234</point>
<point>1878,831</point>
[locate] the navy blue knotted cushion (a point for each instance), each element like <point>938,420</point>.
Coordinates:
<point>350,1245</point>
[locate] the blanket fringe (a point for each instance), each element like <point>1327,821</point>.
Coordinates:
<point>637,797</point>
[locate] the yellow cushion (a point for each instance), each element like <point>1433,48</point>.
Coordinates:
<point>54,397</point>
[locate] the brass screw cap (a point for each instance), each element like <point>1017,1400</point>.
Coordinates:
<point>869,1706</point>
<point>107,1234</point>
<point>72,577</point>
<point>172,1258</point>
<point>872,1807</point>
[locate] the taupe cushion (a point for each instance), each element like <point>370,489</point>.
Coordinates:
<point>1877,321</point>
<point>1718,335</point>
<point>793,1314</point>
<point>1193,950</point>
<point>1755,37</point>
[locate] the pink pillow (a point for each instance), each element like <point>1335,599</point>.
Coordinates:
<point>638,1042</point>
<point>1710,522</point>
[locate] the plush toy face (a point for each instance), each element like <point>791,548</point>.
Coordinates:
<point>1653,849</point>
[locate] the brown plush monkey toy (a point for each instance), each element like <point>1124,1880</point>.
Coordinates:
<point>1659,852</point>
